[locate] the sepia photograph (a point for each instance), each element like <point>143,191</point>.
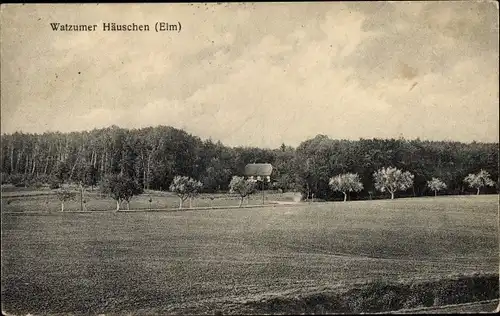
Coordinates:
<point>250,158</point>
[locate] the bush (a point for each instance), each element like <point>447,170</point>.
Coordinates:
<point>419,295</point>
<point>28,180</point>
<point>5,178</point>
<point>54,183</point>
<point>18,180</point>
<point>36,184</point>
<point>382,296</point>
<point>43,178</point>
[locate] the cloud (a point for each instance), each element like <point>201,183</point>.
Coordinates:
<point>257,74</point>
<point>282,100</point>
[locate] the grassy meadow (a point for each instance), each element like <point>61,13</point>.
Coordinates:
<point>45,200</point>
<point>225,260</point>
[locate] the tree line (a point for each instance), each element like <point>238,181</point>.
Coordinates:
<point>152,157</point>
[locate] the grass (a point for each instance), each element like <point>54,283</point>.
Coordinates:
<point>227,260</point>
<point>46,201</point>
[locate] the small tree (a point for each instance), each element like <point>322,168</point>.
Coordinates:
<point>185,188</point>
<point>436,185</point>
<point>479,180</point>
<point>242,186</point>
<point>64,195</point>
<point>120,188</point>
<point>195,189</point>
<point>392,179</point>
<point>54,182</point>
<point>345,183</point>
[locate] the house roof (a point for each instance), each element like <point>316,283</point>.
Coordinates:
<point>258,169</point>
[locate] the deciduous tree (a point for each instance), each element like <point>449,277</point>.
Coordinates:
<point>120,188</point>
<point>64,195</point>
<point>436,185</point>
<point>243,187</point>
<point>346,183</point>
<point>391,180</point>
<point>152,156</point>
<point>185,188</point>
<point>479,180</point>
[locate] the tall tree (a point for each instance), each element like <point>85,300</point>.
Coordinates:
<point>152,156</point>
<point>61,171</point>
<point>89,176</point>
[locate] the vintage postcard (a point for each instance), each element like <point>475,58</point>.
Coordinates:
<point>250,158</point>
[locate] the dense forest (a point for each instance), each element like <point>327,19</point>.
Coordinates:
<point>153,156</point>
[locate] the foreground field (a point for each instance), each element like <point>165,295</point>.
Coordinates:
<point>216,260</point>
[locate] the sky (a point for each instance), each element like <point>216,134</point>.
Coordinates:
<point>257,74</point>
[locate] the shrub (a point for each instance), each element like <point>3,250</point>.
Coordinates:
<point>43,178</point>
<point>36,184</point>
<point>54,183</point>
<point>5,178</point>
<point>17,180</point>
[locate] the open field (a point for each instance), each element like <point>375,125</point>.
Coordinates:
<point>216,260</point>
<point>46,201</point>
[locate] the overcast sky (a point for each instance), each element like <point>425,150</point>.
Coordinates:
<point>257,74</point>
